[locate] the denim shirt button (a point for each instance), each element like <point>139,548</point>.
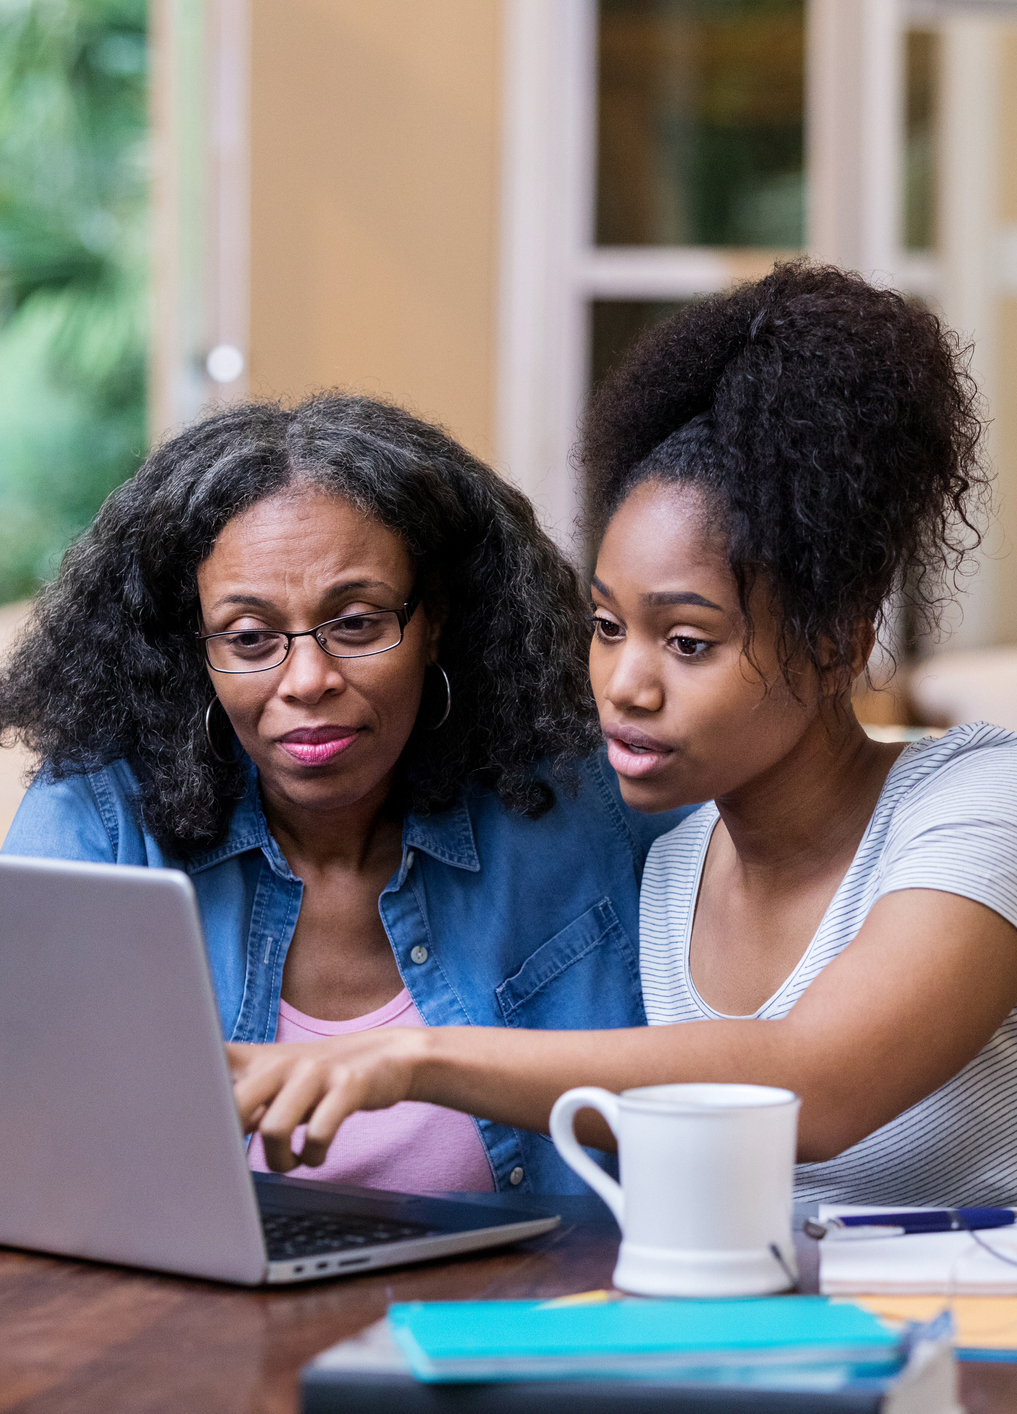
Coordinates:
<point>419,953</point>
<point>516,1177</point>
<point>410,857</point>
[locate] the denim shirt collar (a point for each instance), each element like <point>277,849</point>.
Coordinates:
<point>447,837</point>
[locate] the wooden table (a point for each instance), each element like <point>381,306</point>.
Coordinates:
<point>77,1338</point>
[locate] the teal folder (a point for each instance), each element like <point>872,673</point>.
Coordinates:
<point>513,1340</point>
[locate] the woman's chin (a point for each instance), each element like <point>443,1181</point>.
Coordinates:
<point>325,788</point>
<point>652,794</point>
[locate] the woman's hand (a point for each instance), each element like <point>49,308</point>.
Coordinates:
<point>320,1083</point>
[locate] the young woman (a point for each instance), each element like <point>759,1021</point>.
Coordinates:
<point>774,467</point>
<point>326,662</point>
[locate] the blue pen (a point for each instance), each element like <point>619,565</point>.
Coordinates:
<point>908,1223</point>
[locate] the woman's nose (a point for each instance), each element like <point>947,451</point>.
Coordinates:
<point>635,683</point>
<point>310,672</point>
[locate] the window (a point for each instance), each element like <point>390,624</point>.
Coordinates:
<point>922,60</point>
<point>700,142</point>
<point>700,132</point>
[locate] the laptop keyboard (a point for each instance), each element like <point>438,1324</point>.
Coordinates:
<point>290,1235</point>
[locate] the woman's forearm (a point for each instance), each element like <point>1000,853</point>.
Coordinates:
<point>514,1077</point>
<point>914,998</point>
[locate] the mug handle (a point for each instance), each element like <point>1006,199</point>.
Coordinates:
<point>587,1097</point>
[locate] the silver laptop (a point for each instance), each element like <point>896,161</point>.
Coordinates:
<point>121,1141</point>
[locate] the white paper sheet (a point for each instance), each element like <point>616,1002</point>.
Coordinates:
<point>940,1263</point>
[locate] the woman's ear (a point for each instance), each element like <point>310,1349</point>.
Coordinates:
<point>837,674</point>
<point>862,645</point>
<point>435,610</point>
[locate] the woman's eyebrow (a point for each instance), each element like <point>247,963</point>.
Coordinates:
<point>254,601</point>
<point>247,599</point>
<point>662,597</point>
<point>680,596</point>
<point>346,585</point>
<point>601,587</point>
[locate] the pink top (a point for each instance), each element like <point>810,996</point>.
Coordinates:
<point>410,1148</point>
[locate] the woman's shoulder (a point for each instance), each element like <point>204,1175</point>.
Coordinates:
<point>89,815</point>
<point>966,767</point>
<point>947,819</point>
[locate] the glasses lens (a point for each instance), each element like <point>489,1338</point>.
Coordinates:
<point>357,635</point>
<point>247,651</point>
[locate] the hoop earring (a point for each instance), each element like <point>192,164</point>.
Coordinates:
<point>223,760</point>
<point>448,698</point>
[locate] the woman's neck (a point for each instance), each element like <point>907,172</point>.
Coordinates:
<point>809,811</point>
<point>339,963</point>
<point>347,835</point>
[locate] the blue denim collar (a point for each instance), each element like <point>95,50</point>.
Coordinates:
<point>447,837</point>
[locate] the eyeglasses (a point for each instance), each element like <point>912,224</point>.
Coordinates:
<point>352,636</point>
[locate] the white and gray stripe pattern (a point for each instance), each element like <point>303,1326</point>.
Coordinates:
<point>947,820</point>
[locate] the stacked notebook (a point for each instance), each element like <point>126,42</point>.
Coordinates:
<point>793,1353</point>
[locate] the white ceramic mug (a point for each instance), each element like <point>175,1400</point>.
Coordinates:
<point>707,1175</point>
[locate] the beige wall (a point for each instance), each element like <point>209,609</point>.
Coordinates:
<point>374,203</point>
<point>1006,382</point>
<point>1006,488</point>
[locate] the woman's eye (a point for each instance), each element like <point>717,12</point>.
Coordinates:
<point>250,643</point>
<point>359,626</point>
<point>607,629</point>
<point>689,647</point>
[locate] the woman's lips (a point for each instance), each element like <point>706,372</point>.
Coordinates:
<point>313,746</point>
<point>633,754</point>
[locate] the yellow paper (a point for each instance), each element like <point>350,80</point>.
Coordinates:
<point>581,1298</point>
<point>980,1322</point>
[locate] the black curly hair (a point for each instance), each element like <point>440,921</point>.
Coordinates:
<point>834,430</point>
<point>110,668</point>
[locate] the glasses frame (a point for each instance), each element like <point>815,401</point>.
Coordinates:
<point>403,616</point>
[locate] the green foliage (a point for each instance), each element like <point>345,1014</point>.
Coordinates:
<point>73,181</point>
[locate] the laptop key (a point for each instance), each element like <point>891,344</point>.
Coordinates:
<point>294,1235</point>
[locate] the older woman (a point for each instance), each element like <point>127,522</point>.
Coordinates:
<point>326,662</point>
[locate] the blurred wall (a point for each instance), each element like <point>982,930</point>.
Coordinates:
<point>1006,381</point>
<point>375,136</point>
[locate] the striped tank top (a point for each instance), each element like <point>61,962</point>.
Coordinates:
<point>946,819</point>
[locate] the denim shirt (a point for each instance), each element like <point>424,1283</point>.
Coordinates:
<point>494,919</point>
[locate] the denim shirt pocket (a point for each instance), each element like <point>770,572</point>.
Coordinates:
<point>584,978</point>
